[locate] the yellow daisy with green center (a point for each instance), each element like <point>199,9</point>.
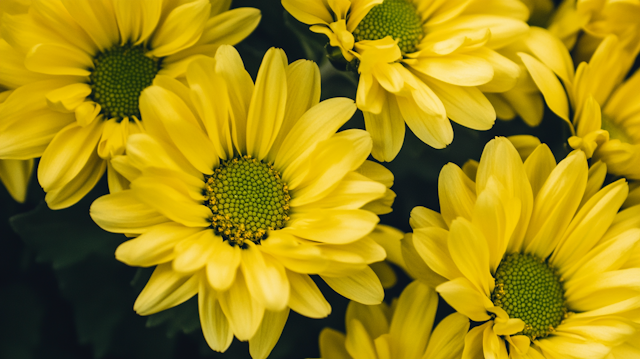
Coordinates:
<point>597,102</point>
<point>404,329</point>
<point>420,62</point>
<point>240,191</point>
<point>537,252</point>
<point>78,67</point>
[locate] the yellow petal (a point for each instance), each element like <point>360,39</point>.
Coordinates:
<point>372,317</point>
<point>303,93</point>
<point>317,124</point>
<point>415,265</point>
<point>426,116</point>
<point>67,154</point>
<point>352,192</point>
<point>242,310</point>
<point>230,27</point>
<point>473,342</point>
<point>470,252</point>
<point>266,278</point>
<point>431,243</point>
<point>455,69</point>
<point>456,193</point>
<point>539,166</point>
<point>223,264</point>
<point>386,128</point>
<point>363,286</point>
<point>332,345</point>
<point>556,204</point>
<point>413,320</point>
<point>308,12</point>
<point>425,217</point>
<point>58,59</point>
<point>68,98</point>
<point>122,212</point>
<point>358,342</point>
<point>73,191</point>
<point>165,289</point>
<point>136,19</point>
<point>267,108</point>
<point>447,340</point>
<point>154,246</point>
<point>98,19</point>
<point>332,226</point>
<point>571,348</point>
<point>181,28</point>
<point>193,252</point>
<point>549,85</point>
<point>215,326</point>
<point>465,105</point>
<point>15,175</point>
<point>551,51</point>
<point>268,333</point>
<point>505,71</point>
<point>463,296</point>
<point>306,298</point>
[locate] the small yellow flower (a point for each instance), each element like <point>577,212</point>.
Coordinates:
<point>537,252</point>
<point>402,330</point>
<point>422,62</point>
<point>78,68</point>
<point>239,191</point>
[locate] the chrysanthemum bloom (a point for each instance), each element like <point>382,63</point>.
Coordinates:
<point>14,174</point>
<point>422,62</point>
<point>402,330</point>
<point>240,191</point>
<point>606,117</point>
<point>536,252</point>
<point>583,24</point>
<point>78,68</point>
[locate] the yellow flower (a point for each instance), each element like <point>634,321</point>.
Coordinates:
<point>78,68</point>
<point>402,330</point>
<point>422,62</point>
<point>606,117</point>
<point>536,251</point>
<point>583,24</point>
<point>240,191</point>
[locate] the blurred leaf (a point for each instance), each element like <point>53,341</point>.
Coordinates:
<point>21,315</point>
<point>181,319</point>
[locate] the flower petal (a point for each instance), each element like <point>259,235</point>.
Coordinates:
<point>447,340</point>
<point>386,129</point>
<point>266,278</point>
<point>261,344</point>
<point>165,289</point>
<point>456,193</point>
<point>363,286</point>
<point>122,212</point>
<point>332,226</point>
<point>465,298</point>
<point>306,298</point>
<point>15,175</point>
<point>242,310</point>
<point>215,326</point>
<point>223,264</point>
<point>98,19</point>
<point>137,19</point>
<point>470,252</point>
<point>181,28</point>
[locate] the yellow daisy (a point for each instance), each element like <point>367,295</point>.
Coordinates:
<point>599,105</point>
<point>78,68</point>
<point>402,330</point>
<point>583,24</point>
<point>14,174</point>
<point>240,191</point>
<point>535,251</point>
<point>422,62</point>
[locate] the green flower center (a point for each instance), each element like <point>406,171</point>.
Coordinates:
<point>615,131</point>
<point>529,289</point>
<point>248,198</point>
<point>395,18</point>
<point>120,75</point>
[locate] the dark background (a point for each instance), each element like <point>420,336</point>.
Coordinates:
<point>63,294</point>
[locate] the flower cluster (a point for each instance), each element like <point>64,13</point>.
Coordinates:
<point>257,191</point>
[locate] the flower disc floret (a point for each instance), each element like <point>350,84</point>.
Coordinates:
<point>395,18</point>
<point>529,289</point>
<point>120,75</point>
<point>248,198</point>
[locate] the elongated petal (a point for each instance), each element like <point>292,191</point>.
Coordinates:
<point>465,105</point>
<point>470,252</point>
<point>549,85</point>
<point>463,296</point>
<point>308,12</point>
<point>181,29</point>
<point>223,264</point>
<point>447,340</point>
<point>426,116</point>
<point>332,226</point>
<point>431,244</point>
<point>266,278</point>
<point>230,27</point>
<point>267,108</point>
<point>456,192</point>
<point>165,290</point>
<point>539,166</point>
<point>136,19</point>
<point>305,297</point>
<point>268,333</point>
<point>215,326</point>
<point>15,175</point>
<point>73,191</point>
<point>332,344</point>
<point>194,252</point>
<point>413,320</point>
<point>386,128</point>
<point>97,18</point>
<point>242,310</point>
<point>68,98</point>
<point>363,286</point>
<point>154,246</point>
<point>456,69</point>
<point>122,212</point>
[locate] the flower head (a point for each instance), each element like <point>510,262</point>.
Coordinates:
<point>78,68</point>
<point>537,252</point>
<point>422,62</point>
<point>239,191</point>
<point>402,330</point>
